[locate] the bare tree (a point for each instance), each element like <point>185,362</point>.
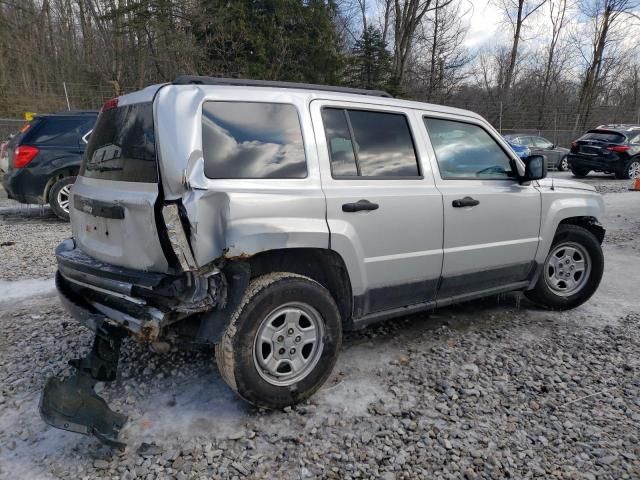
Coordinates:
<point>558,18</point>
<point>605,15</point>
<point>439,59</point>
<point>407,17</point>
<point>517,12</point>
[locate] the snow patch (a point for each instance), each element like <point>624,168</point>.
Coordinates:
<point>20,289</point>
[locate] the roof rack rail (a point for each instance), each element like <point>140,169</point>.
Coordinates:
<point>203,80</point>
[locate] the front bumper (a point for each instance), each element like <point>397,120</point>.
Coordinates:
<point>144,304</point>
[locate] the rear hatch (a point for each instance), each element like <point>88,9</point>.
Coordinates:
<point>114,198</point>
<point>599,143</point>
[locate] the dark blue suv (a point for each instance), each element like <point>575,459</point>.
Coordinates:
<point>44,159</point>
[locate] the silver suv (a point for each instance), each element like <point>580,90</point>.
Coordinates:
<point>266,218</point>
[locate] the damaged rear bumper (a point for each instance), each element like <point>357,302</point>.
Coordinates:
<point>142,303</point>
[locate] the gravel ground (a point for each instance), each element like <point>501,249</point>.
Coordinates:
<point>490,389</point>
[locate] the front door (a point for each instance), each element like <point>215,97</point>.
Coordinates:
<point>383,210</point>
<point>491,222</point>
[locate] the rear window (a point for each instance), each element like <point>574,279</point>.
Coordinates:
<point>608,137</point>
<point>252,140</point>
<point>122,145</point>
<point>58,131</point>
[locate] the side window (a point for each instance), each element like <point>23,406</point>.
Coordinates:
<point>466,151</point>
<point>540,142</point>
<point>252,140</point>
<point>635,139</point>
<point>60,131</point>
<point>369,144</point>
<point>343,159</point>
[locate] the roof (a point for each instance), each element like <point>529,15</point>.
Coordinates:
<point>618,127</point>
<point>279,91</point>
<point>241,82</point>
<point>69,113</point>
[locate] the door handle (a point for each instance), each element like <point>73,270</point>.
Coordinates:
<point>359,205</point>
<point>465,202</point>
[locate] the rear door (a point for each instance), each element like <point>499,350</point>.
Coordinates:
<point>491,222</point>
<point>383,210</point>
<point>113,214</point>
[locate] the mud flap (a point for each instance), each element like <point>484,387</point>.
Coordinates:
<point>73,405</point>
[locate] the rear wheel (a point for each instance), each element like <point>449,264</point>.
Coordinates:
<point>580,171</point>
<point>563,165</point>
<point>630,171</point>
<point>60,197</point>
<point>282,341</point>
<point>572,270</point>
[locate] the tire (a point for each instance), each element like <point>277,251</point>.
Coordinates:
<point>563,164</point>
<point>260,314</point>
<point>580,172</point>
<point>549,291</point>
<point>59,197</point>
<point>631,170</point>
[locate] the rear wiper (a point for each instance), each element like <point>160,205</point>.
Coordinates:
<point>104,169</point>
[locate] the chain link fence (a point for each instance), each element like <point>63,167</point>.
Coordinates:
<point>560,125</point>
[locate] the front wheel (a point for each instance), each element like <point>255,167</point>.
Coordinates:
<point>572,270</point>
<point>60,197</point>
<point>282,341</point>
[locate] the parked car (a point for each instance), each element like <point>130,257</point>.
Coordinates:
<point>609,149</point>
<point>4,156</point>
<point>44,159</point>
<point>556,157</point>
<point>521,150</point>
<point>265,218</point>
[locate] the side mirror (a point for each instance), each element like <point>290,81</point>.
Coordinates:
<point>535,168</point>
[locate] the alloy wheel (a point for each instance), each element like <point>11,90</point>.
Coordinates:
<point>64,197</point>
<point>564,164</point>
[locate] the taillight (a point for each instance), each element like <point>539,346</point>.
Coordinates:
<point>619,148</point>
<point>23,155</point>
<point>574,144</point>
<point>110,104</point>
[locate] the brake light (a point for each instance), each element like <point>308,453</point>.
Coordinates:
<point>574,144</point>
<point>110,104</point>
<point>619,148</point>
<point>23,155</point>
<point>25,127</point>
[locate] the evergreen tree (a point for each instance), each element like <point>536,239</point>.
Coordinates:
<point>370,64</point>
<point>270,39</point>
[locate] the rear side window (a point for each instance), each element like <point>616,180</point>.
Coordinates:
<point>466,151</point>
<point>59,131</point>
<point>122,145</point>
<point>369,144</point>
<point>607,137</point>
<point>252,140</point>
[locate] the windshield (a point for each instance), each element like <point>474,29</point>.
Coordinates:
<point>122,145</point>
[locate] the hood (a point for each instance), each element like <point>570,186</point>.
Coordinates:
<point>562,149</point>
<point>563,183</point>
